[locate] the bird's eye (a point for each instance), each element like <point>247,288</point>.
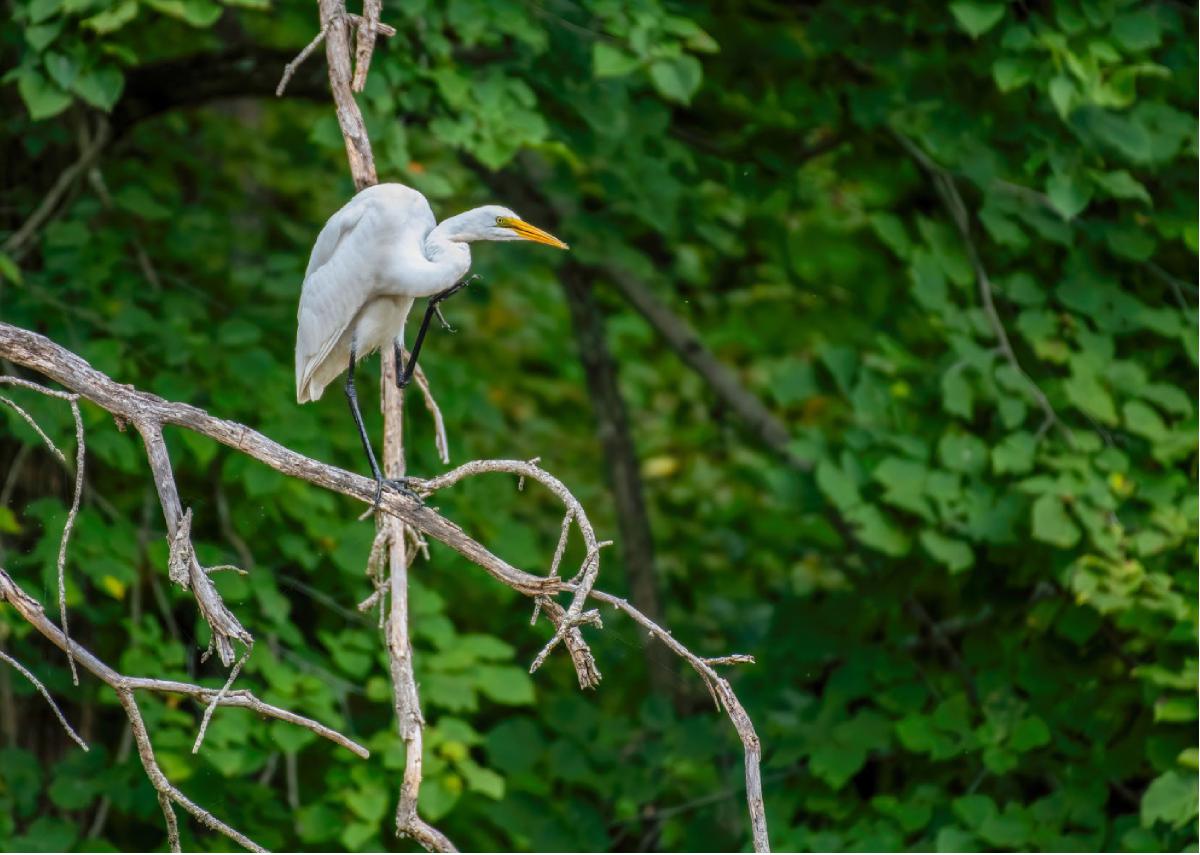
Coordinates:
<point>499,221</point>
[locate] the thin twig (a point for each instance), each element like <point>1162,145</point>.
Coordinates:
<point>738,717</point>
<point>368,26</point>
<point>212,705</point>
<point>68,527</point>
<point>15,244</point>
<point>290,68</point>
<point>32,422</point>
<point>947,190</point>
<point>33,613</point>
<point>37,684</point>
<point>167,792</point>
<point>439,425</point>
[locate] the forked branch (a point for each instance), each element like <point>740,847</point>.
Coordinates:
<point>150,413</point>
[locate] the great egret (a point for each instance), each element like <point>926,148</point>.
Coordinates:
<point>374,257</point>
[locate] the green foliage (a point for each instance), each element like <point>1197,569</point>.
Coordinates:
<point>975,618</point>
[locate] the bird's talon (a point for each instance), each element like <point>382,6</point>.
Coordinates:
<point>403,486</point>
<point>445,324</point>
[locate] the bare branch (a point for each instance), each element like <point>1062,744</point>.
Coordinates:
<point>185,569</point>
<point>567,626</point>
<point>290,68</point>
<point>32,422</point>
<point>149,413</point>
<point>431,404</point>
<point>33,613</point>
<point>943,182</point>
<point>368,26</point>
<point>68,527</point>
<point>73,512</point>
<point>37,684</point>
<point>337,53</point>
<point>721,690</point>
<point>217,698</point>
<point>167,792</point>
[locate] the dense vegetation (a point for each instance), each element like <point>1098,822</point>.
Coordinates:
<point>953,247</point>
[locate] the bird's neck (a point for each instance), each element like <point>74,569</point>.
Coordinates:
<point>449,259</point>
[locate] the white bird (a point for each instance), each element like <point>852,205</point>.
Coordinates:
<point>377,255</point>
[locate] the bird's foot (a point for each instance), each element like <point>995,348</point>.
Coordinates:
<point>403,486</point>
<point>442,318</point>
<point>436,300</point>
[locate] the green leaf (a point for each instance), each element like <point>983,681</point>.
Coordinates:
<point>1144,421</point>
<point>1119,184</point>
<point>1085,391</point>
<point>40,10</point>
<point>45,834</point>
<point>1029,733</point>
<point>955,554</point>
<point>890,229</point>
<point>957,396</point>
<point>962,452</point>
<point>369,803</point>
<point>1062,95</point>
<point>677,78</point>
<point>113,18</point>
<point>1011,72</point>
<point>1068,195</point>
<point>354,835</point>
<point>1014,454</point>
<point>611,61</point>
<point>835,763</point>
<point>1138,30</point>
<point>1176,708</point>
<point>976,17</point>
<point>1052,524</point>
<point>1170,798</point>
<point>100,87</point>
<point>9,269</point>
<point>40,36</point>
<point>974,810</point>
<point>438,797</point>
<point>841,489</point>
<point>504,684</point>
<point>62,69</point>
<point>876,530</point>
<point>42,98</point>
<point>481,780</point>
<point>197,13</point>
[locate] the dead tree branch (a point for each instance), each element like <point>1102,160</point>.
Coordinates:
<point>37,684</point>
<point>151,413</point>
<point>33,613</point>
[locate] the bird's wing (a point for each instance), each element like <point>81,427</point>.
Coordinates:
<point>343,275</point>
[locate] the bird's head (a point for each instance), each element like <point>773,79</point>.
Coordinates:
<point>493,222</point>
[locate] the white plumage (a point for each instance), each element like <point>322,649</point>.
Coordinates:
<point>374,257</point>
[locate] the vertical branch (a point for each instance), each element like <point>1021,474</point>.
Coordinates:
<point>367,27</point>
<point>620,459</point>
<point>336,24</point>
<point>391,530</point>
<point>407,702</point>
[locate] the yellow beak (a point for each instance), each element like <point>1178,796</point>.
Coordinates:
<point>533,233</point>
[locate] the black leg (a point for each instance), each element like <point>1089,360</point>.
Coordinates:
<point>376,472</point>
<point>404,376</point>
<point>352,397</point>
